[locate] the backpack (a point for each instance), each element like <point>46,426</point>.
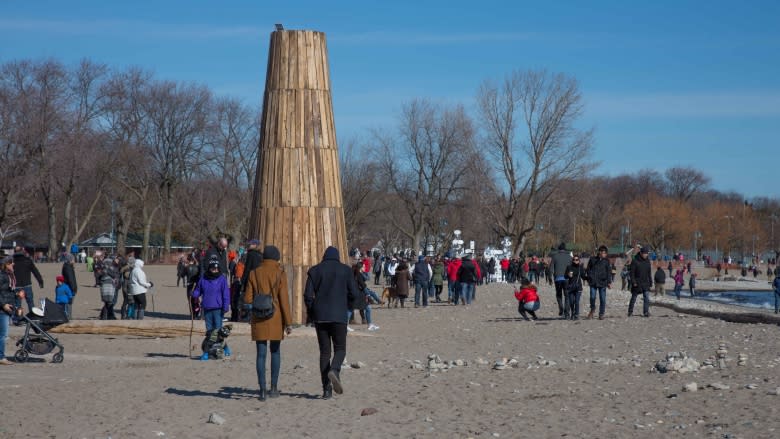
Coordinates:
<point>263,304</point>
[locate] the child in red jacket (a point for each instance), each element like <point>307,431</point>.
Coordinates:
<point>528,299</point>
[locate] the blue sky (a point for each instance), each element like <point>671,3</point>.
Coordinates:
<point>665,82</point>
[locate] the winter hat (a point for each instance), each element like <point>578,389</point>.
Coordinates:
<point>562,246</point>
<point>213,262</point>
<point>420,258</point>
<point>271,252</point>
<point>254,242</point>
<point>60,278</point>
<point>331,253</point>
<point>644,250</point>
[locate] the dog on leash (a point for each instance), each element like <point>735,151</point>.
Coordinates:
<point>390,296</point>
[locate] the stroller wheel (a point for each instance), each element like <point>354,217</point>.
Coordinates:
<point>57,358</point>
<point>21,356</point>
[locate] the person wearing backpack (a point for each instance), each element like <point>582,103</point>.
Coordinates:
<point>215,293</point>
<point>269,278</point>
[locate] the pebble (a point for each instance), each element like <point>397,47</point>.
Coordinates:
<point>358,365</point>
<point>775,392</point>
<point>368,411</point>
<point>216,419</point>
<point>719,386</point>
<point>751,386</point>
<point>481,361</point>
<point>690,387</point>
<point>428,419</point>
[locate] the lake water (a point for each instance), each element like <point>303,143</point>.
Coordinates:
<point>747,299</point>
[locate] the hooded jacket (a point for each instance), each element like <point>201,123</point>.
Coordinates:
<point>269,278</point>
<point>214,290</point>
<point>641,274</point>
<point>330,287</point>
<point>253,260</point>
<point>70,276</point>
<point>138,282</point>
<point>599,272</point>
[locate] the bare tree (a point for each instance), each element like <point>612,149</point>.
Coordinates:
<point>683,182</point>
<point>358,180</point>
<point>424,163</point>
<point>175,118</point>
<point>529,127</point>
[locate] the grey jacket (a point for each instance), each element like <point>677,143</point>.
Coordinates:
<point>560,260</point>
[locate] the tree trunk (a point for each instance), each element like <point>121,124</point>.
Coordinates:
<point>87,217</point>
<point>51,215</point>
<point>169,206</point>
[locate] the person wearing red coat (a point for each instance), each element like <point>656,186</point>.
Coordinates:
<point>528,299</point>
<point>452,277</point>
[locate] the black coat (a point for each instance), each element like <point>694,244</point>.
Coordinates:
<point>253,260</point>
<point>360,302</point>
<point>7,294</point>
<point>467,273</point>
<point>24,267</point>
<point>70,276</point>
<point>330,288</point>
<point>599,272</point>
<point>574,282</point>
<point>660,276</point>
<point>641,274</point>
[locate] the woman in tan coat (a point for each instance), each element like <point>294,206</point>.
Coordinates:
<point>269,278</point>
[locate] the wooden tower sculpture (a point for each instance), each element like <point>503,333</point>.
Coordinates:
<point>297,203</point>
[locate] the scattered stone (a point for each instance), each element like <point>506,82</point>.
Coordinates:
<point>481,361</point>
<point>500,364</point>
<point>368,411</point>
<point>751,386</point>
<point>299,366</point>
<point>690,387</point>
<point>358,365</point>
<point>742,360</point>
<point>719,386</point>
<point>214,418</point>
<point>677,362</point>
<point>722,352</point>
<point>460,362</point>
<point>473,384</point>
<point>775,392</point>
<point>428,419</point>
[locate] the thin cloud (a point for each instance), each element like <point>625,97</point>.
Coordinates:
<point>688,105</point>
<point>427,38</point>
<point>131,29</point>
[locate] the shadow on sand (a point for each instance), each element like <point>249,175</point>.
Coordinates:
<point>234,393</point>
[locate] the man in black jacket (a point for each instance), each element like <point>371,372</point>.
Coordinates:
<point>330,289</point>
<point>70,276</point>
<point>641,282</point>
<point>599,273</point>
<point>660,280</point>
<point>24,267</point>
<point>217,251</point>
<point>467,278</point>
<point>559,262</point>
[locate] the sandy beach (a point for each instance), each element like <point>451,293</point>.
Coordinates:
<point>587,378</point>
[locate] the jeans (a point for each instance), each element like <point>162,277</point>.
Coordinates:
<point>528,308</point>
<point>452,291</point>
<point>573,303</point>
<point>373,296</point>
<point>561,297</point>
<point>645,301</point>
<point>28,297</point>
<point>363,312</point>
<point>276,361</point>
<point>66,309</point>
<point>431,289</point>
<point>5,320</point>
<point>331,334</point>
<point>213,318</point>
<point>466,292</point>
<point>677,289</point>
<point>602,292</point>
<point>777,302</point>
<point>420,286</point>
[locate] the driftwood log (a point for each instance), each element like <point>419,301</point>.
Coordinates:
<point>297,203</point>
<point>728,316</point>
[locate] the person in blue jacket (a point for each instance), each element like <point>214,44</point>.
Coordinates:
<point>214,292</point>
<point>776,284</point>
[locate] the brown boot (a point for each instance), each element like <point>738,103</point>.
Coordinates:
<point>590,315</point>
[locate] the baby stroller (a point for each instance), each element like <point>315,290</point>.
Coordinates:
<point>36,340</point>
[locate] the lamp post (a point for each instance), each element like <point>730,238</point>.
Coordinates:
<point>539,228</point>
<point>729,217</point>
<point>696,237</point>
<point>624,230</point>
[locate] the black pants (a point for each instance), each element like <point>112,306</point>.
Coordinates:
<point>140,305</point>
<point>107,312</point>
<point>127,299</point>
<point>334,334</point>
<point>376,278</point>
<point>524,312</point>
<point>560,297</point>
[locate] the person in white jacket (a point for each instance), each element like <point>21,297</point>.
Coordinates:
<point>139,285</point>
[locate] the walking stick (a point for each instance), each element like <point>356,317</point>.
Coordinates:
<point>192,315</point>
